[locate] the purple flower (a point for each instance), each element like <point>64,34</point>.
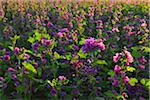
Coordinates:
<point>6,57</point>
<point>53,91</point>
<point>35,46</point>
<point>142,60</point>
<point>50,25</point>
<point>16,50</point>
<point>64,30</point>
<point>89,45</point>
<point>115,83</point>
<point>88,70</point>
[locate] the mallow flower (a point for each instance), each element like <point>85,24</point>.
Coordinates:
<point>128,56</point>
<point>116,57</point>
<point>117,69</point>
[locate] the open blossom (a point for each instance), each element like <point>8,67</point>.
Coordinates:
<point>101,45</point>
<point>141,66</point>
<point>142,60</point>
<point>62,78</point>
<point>16,50</point>
<point>126,79</point>
<point>117,69</point>
<point>91,44</point>
<point>116,57</point>
<point>129,56</point>
<point>11,69</point>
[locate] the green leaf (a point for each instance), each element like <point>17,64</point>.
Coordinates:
<point>57,56</point>
<point>130,69</point>
<point>146,49</point>
<point>148,84</point>
<point>82,41</point>
<point>31,39</point>
<point>111,73</point>
<point>133,81</point>
<point>142,81</point>
<point>29,67</point>
<point>39,70</point>
<point>101,62</point>
<point>82,54</point>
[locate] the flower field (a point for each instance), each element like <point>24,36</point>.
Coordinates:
<point>74,50</point>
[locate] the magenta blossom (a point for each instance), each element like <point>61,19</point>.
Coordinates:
<point>16,50</point>
<point>126,79</point>
<point>11,69</point>
<point>116,57</point>
<point>129,56</point>
<point>117,69</point>
<point>142,60</point>
<point>101,45</point>
<point>142,67</point>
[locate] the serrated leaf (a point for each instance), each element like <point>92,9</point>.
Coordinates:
<point>133,81</point>
<point>29,67</point>
<point>130,69</point>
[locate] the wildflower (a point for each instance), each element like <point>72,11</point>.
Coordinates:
<point>60,34</point>
<point>16,50</point>
<point>126,79</point>
<point>101,45</point>
<point>35,46</point>
<point>116,57</point>
<point>50,25</point>
<point>142,67</point>
<point>6,56</point>
<point>124,95</point>
<point>26,56</point>
<point>11,69</point>
<point>117,69</point>
<point>89,45</point>
<point>62,78</point>
<point>142,60</point>
<point>1,78</point>
<point>53,91</point>
<point>129,56</point>
<point>115,83</point>
<point>64,30</point>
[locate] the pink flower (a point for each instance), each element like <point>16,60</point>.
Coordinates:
<point>11,69</point>
<point>142,67</point>
<point>124,94</point>
<point>101,45</point>
<point>142,60</point>
<point>117,69</point>
<point>116,57</point>
<point>16,50</point>
<point>60,34</point>
<point>62,78</point>
<point>129,56</point>
<point>126,79</point>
